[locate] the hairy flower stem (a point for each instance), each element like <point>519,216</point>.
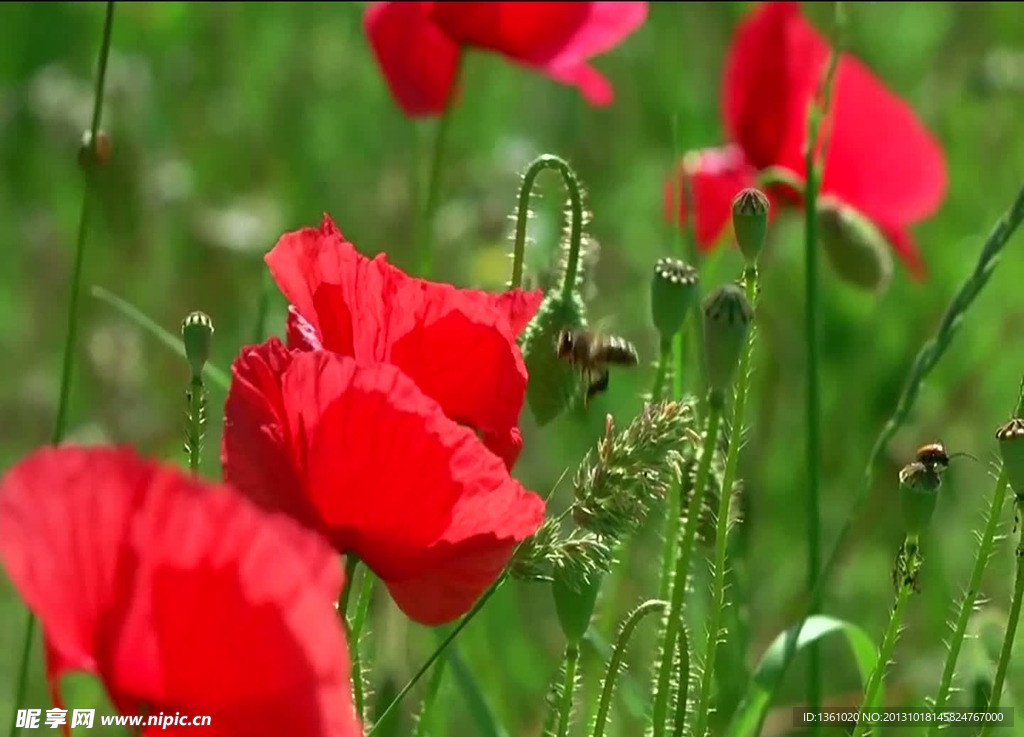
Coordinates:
<point>615,663</point>
<point>425,228</point>
<point>196,397</point>
<point>675,617</point>
<point>664,356</point>
<point>722,525</point>
<point>906,573</point>
<point>1011,622</point>
<point>570,663</point>
<point>60,426</point>
<point>970,596</point>
<point>927,358</point>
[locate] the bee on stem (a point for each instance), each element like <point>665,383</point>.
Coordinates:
<point>592,353</point>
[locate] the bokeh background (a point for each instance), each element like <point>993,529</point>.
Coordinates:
<point>235,122</point>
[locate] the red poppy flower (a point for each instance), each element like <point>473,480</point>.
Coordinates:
<point>880,158</point>
<point>418,44</point>
<point>458,345</point>
<point>359,452</point>
<point>179,595</point>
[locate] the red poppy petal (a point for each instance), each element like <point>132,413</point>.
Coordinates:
<point>516,305</point>
<point>524,31</point>
<point>304,260</point>
<point>413,494</point>
<point>758,92</point>
<point>881,159</point>
<point>182,596</point>
<point>301,334</point>
<point>717,176</point>
<point>555,37</point>
<point>417,59</point>
<point>257,451</point>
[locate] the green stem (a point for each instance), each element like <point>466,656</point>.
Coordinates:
<point>615,663</point>
<point>1011,623</point>
<point>885,650</point>
<point>362,606</point>
<point>813,511</point>
<point>675,617</point>
<point>426,710</point>
<point>669,549</point>
<point>439,650</point>
<point>970,596</point>
<point>572,186</point>
<point>351,563</point>
<point>572,657</point>
<point>60,426</point>
<point>426,229</point>
<point>722,526</point>
<point>683,680</point>
<point>196,420</point>
<point>664,356</point>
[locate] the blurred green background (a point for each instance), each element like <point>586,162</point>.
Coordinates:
<point>235,122</point>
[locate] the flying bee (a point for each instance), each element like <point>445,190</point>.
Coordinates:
<point>592,353</point>
<point>935,457</point>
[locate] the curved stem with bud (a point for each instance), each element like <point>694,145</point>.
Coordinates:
<point>572,186</point>
<point>91,161</point>
<point>615,663</point>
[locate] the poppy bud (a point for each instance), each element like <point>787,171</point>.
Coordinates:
<point>197,333</point>
<point>673,290</point>
<point>104,148</point>
<point>750,222</point>
<point>1011,447</point>
<point>727,318</point>
<point>575,598</point>
<point>919,486</point>
<point>553,383</point>
<point>857,250</point>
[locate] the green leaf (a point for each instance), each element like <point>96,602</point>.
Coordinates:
<point>216,376</point>
<point>487,724</point>
<point>747,721</point>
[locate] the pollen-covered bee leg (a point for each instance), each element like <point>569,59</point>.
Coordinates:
<point>597,386</point>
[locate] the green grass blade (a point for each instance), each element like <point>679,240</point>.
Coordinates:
<point>487,725</point>
<point>746,722</point>
<point>216,376</point>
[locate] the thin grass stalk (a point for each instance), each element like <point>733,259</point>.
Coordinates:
<point>70,341</point>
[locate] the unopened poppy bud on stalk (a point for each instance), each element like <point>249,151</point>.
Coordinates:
<point>104,148</point>
<point>857,250</point>
<point>673,289</point>
<point>919,487</point>
<point>1011,447</point>
<point>197,333</point>
<point>750,222</point>
<point>727,318</point>
<point>575,598</point>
